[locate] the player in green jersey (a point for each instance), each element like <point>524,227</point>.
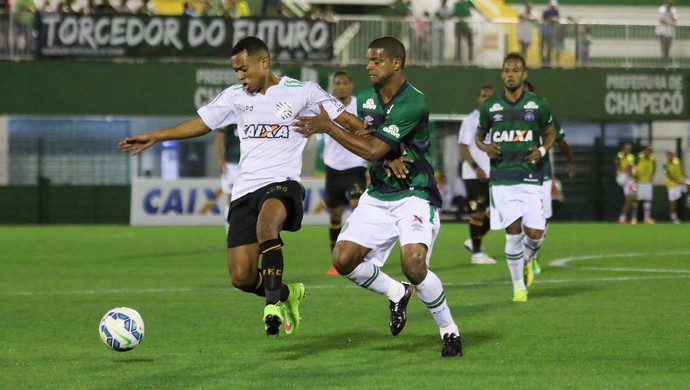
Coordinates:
<point>402,206</point>
<point>521,132</point>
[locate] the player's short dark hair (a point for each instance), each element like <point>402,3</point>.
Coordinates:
<point>253,45</point>
<point>342,73</point>
<point>483,87</point>
<point>391,45</point>
<point>512,56</point>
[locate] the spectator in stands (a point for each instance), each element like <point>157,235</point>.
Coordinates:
<point>527,20</point>
<point>463,30</point>
<point>666,30</point>
<point>549,29</point>
<point>438,35</point>
<point>66,7</point>
<point>123,8</point>
<point>400,8</point>
<point>146,8</point>
<point>270,7</point>
<point>188,10</point>
<point>105,7</point>
<point>421,45</point>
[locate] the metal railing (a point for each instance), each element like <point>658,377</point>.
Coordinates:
<point>587,43</point>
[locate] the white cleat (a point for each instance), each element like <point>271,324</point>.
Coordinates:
<point>468,244</point>
<point>482,258</point>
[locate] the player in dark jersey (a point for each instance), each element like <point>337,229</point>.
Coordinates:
<point>401,206</point>
<point>521,132</point>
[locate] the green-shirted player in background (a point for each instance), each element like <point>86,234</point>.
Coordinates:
<point>402,206</point>
<point>521,132</point>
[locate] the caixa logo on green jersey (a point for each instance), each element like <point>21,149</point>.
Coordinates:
<point>266,131</point>
<point>513,136</point>
<point>182,201</point>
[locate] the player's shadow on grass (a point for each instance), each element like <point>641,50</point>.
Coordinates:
<point>134,360</point>
<point>357,343</point>
<point>553,291</point>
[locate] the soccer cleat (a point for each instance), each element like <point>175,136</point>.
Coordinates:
<point>399,310</point>
<point>622,221</point>
<point>649,221</point>
<point>482,258</point>
<point>676,221</point>
<point>332,271</point>
<point>520,295</point>
<point>291,307</point>
<point>273,318</point>
<point>633,221</point>
<point>468,244</point>
<point>529,274</point>
<point>536,268</point>
<point>452,345</point>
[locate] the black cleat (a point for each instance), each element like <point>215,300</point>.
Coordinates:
<point>399,310</point>
<point>273,319</point>
<point>452,345</point>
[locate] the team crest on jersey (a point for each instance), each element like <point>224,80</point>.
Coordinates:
<point>369,104</point>
<point>496,107</point>
<point>531,106</point>
<point>529,116</point>
<point>266,131</point>
<point>284,110</point>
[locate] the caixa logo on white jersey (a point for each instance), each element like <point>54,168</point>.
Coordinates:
<point>182,201</point>
<point>266,131</point>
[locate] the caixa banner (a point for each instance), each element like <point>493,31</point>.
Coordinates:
<point>120,35</point>
<point>157,202</point>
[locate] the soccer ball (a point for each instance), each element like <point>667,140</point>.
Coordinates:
<point>121,329</point>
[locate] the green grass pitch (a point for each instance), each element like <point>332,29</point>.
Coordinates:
<point>611,310</point>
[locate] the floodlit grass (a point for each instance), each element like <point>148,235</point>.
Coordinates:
<point>614,314</point>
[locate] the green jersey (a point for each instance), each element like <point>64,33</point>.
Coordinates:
<point>403,124</point>
<point>515,127</point>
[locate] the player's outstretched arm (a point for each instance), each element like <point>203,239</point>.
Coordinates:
<point>369,148</point>
<point>188,129</point>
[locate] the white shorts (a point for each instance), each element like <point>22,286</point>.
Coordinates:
<point>377,225</point>
<point>546,197</point>
<point>229,177</point>
<point>676,192</point>
<point>519,201</point>
<point>645,191</point>
<point>628,184</point>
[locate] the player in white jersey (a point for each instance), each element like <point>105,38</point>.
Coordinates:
<point>267,196</point>
<point>346,175</point>
<point>475,173</point>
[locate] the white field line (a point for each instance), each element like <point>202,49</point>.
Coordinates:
<point>555,263</point>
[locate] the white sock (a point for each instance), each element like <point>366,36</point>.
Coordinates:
<point>370,277</point>
<point>432,294</point>
<point>531,248</point>
<point>516,260</point>
<point>647,209</point>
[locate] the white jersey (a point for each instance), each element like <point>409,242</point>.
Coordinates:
<point>335,155</point>
<point>468,131</point>
<point>270,149</point>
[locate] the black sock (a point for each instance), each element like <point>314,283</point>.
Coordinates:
<point>259,289</point>
<point>333,233</point>
<point>272,269</point>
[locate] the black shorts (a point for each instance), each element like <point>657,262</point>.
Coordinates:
<point>341,186</point>
<point>477,194</point>
<point>244,212</point>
